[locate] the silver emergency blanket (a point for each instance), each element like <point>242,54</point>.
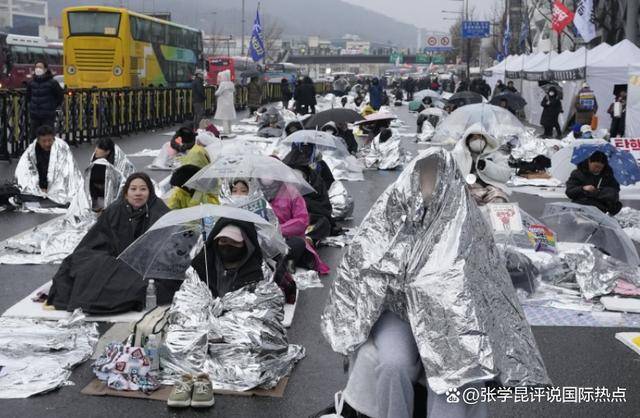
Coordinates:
<point>386,155</point>
<point>38,356</point>
<point>343,166</point>
<point>628,218</point>
<point>580,266</point>
<point>64,177</point>
<point>307,279</point>
<point>438,267</point>
<point>52,241</point>
<point>341,202</point>
<point>238,340</point>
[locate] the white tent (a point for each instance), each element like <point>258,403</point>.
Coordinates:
<point>610,69</point>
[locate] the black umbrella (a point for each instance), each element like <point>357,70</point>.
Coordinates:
<point>557,87</point>
<point>514,101</point>
<point>336,115</point>
<point>465,97</point>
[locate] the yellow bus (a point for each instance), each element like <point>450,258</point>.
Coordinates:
<point>109,47</point>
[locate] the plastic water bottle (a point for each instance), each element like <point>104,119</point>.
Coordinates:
<point>151,348</point>
<point>151,301</point>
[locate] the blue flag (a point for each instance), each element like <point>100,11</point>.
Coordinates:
<point>506,40</point>
<point>524,32</point>
<point>256,44</point>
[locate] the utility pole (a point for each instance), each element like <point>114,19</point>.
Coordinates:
<point>242,35</point>
<point>466,13</point>
<point>632,21</point>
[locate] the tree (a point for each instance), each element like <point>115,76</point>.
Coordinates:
<point>271,33</point>
<point>460,45</point>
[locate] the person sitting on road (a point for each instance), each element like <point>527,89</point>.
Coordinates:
<point>318,205</point>
<point>593,184</point>
<point>292,127</point>
<point>271,124</point>
<point>92,277</point>
<point>106,149</point>
<point>183,140</point>
<point>47,169</point>
<point>477,154</point>
<point>233,259</point>
<point>341,130</point>
<point>291,210</point>
<point>308,155</point>
<point>182,197</point>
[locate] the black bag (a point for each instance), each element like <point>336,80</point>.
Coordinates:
<point>8,191</point>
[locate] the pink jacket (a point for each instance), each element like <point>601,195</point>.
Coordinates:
<point>291,210</point>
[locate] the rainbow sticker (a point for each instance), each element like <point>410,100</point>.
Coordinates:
<point>542,238</point>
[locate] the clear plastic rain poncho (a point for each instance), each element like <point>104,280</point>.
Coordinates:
<point>64,177</point>
<point>238,340</point>
<point>498,122</point>
<point>38,356</point>
<point>432,260</point>
<point>342,204</point>
<point>52,241</point>
<point>433,117</point>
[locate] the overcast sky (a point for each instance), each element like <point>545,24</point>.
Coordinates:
<point>425,13</point>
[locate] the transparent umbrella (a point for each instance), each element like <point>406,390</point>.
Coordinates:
<point>495,120</point>
<point>308,136</point>
<point>260,167</point>
<point>164,250</point>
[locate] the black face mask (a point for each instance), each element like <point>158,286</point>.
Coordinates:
<point>230,254</point>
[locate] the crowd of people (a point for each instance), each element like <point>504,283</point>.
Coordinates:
<point>395,266</point>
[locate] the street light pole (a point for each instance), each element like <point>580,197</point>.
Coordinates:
<point>242,35</point>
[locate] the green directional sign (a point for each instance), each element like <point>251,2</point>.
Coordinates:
<point>437,59</point>
<point>396,58</point>
<point>422,59</point>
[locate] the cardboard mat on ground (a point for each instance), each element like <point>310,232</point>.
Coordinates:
<point>99,388</point>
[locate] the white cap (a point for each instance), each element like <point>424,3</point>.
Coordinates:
<point>585,128</point>
<point>232,232</point>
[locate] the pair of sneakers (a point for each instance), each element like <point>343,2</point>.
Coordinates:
<point>189,391</point>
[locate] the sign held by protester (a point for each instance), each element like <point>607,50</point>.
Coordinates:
<point>505,217</point>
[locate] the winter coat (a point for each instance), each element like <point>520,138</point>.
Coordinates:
<point>606,197</point>
<point>254,94</point>
<point>221,279</point>
<point>496,171</point>
<point>286,91</point>
<point>225,96</point>
<point>305,95</point>
<point>181,199</point>
<point>586,106</point>
<point>197,91</point>
<point>92,278</point>
<point>375,96</point>
<point>44,95</point>
<point>551,109</point>
<point>291,211</point>
<point>296,158</point>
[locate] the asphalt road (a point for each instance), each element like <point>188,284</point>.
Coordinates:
<point>574,356</point>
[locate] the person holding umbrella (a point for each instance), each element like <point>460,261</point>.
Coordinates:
<point>593,184</point>
<point>551,109</point>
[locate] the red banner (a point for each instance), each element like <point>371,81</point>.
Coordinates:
<point>562,16</point>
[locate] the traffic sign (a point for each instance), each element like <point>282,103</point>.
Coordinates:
<point>396,58</point>
<point>422,59</point>
<point>437,59</point>
<point>475,29</point>
<point>438,42</point>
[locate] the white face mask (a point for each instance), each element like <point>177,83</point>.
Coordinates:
<point>39,71</point>
<point>551,94</point>
<point>477,145</point>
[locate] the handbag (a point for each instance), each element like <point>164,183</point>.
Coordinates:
<point>153,322</point>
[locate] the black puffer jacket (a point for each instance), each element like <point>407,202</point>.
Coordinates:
<point>44,95</point>
<point>606,197</point>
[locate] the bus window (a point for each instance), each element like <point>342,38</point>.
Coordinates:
<point>158,33</point>
<point>37,54</point>
<point>20,55</point>
<point>53,57</point>
<point>140,29</point>
<point>94,23</point>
